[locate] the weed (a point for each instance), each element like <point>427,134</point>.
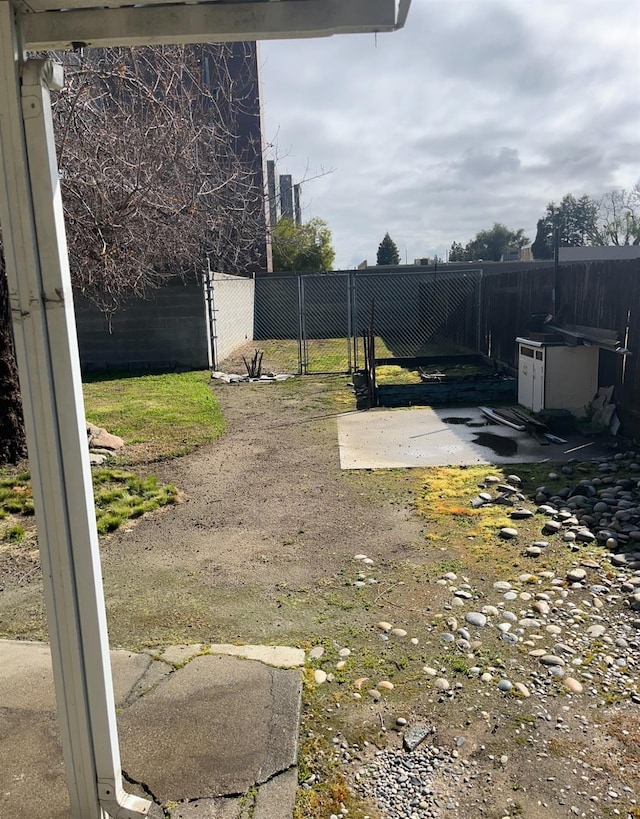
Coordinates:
<point>459,665</point>
<point>14,534</point>
<point>334,600</point>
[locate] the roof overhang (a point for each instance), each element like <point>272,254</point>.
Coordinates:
<point>51,25</point>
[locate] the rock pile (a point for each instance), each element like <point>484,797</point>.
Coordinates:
<point>102,444</point>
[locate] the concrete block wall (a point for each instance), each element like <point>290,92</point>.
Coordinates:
<point>167,330</point>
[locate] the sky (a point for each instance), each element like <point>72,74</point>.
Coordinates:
<point>478,111</point>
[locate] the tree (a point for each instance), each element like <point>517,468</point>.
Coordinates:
<point>12,440</point>
<point>619,217</point>
<point>154,170</point>
<point>303,248</point>
<point>542,247</point>
<point>492,244</point>
<point>387,251</point>
<point>456,253</point>
<point>577,223</point>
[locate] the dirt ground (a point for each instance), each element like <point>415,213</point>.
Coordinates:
<point>261,549</point>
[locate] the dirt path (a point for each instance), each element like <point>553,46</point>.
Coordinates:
<point>267,512</point>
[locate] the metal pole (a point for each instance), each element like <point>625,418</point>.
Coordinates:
<point>480,335</point>
<point>210,317</point>
<point>354,318</point>
<point>47,353</point>
<point>301,339</point>
<point>556,271</point>
<point>349,323</point>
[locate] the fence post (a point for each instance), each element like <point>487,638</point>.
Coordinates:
<point>353,280</point>
<point>210,317</point>
<point>301,342</point>
<point>480,334</point>
<point>349,323</point>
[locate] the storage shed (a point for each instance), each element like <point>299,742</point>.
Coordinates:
<point>553,375</point>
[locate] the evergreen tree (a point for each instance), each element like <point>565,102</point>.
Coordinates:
<point>457,253</point>
<point>542,247</point>
<point>387,251</point>
<point>577,222</point>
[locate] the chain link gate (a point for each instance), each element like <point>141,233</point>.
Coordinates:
<point>417,314</point>
<point>314,323</point>
<point>326,325</point>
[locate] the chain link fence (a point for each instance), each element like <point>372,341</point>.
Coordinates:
<point>314,323</point>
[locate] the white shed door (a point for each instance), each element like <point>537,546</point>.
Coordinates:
<point>537,396</point>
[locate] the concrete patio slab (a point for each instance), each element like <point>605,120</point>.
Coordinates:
<point>276,656</point>
<point>217,726</point>
<point>397,438</point>
<point>201,735</point>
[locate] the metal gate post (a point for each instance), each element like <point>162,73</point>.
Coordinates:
<point>353,280</point>
<point>349,322</point>
<point>303,326</point>
<point>301,348</point>
<point>47,352</point>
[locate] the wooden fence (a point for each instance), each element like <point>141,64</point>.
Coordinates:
<point>595,294</point>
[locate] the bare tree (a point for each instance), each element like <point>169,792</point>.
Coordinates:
<point>619,217</point>
<point>156,167</point>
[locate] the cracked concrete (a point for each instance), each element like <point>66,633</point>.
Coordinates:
<point>213,739</point>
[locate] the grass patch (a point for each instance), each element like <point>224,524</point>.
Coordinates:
<point>329,355</point>
<point>394,374</point>
<point>118,495</point>
<point>14,534</point>
<point>158,416</point>
<point>447,493</point>
<point>121,495</point>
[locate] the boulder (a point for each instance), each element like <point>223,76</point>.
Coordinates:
<point>98,437</point>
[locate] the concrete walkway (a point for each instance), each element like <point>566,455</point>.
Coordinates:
<point>206,732</point>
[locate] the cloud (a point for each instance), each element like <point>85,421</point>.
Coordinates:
<point>476,112</point>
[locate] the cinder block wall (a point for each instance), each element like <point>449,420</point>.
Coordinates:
<point>167,330</point>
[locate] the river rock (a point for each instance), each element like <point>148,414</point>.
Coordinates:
<point>551,659</point>
<point>520,514</point>
<point>573,685</point>
<point>415,734</point>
